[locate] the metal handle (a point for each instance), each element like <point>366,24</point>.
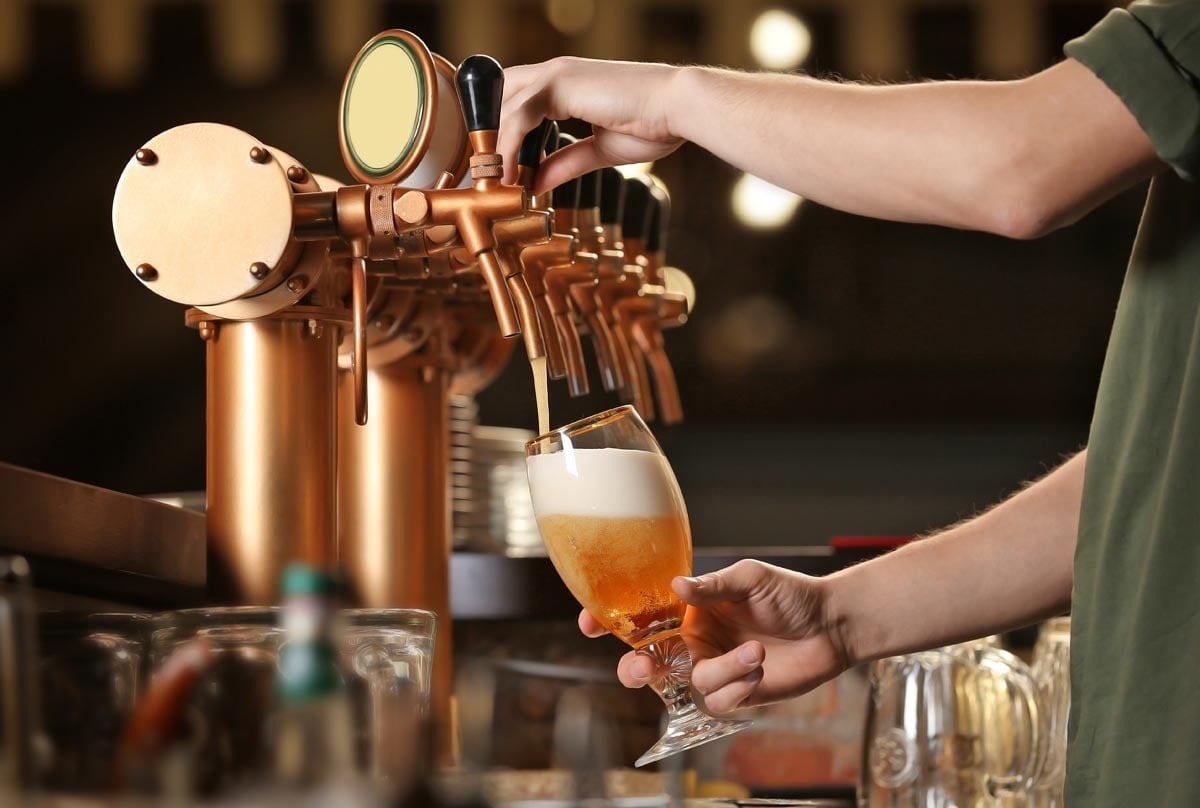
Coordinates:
<point>358,305</point>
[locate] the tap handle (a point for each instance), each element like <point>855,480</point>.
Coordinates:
<point>534,144</point>
<point>657,218</point>
<point>565,196</point>
<point>637,207</point>
<point>612,196</point>
<point>480,81</point>
<point>589,190</point>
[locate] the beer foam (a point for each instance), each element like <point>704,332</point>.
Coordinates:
<point>612,483</point>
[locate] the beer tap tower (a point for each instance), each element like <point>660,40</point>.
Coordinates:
<point>294,280</point>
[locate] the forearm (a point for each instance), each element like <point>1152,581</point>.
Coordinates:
<point>1014,157</point>
<point>1009,567</point>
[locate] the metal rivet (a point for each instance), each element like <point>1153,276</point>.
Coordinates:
<point>145,157</point>
<point>259,155</point>
<point>297,174</point>
<point>316,329</point>
<point>207,331</point>
<point>297,284</point>
<point>145,272</point>
<point>259,270</point>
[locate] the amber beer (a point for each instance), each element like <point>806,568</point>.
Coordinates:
<point>616,529</point>
<point>620,569</point>
<point>613,520</point>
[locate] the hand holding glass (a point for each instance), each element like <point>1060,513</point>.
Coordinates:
<point>614,523</point>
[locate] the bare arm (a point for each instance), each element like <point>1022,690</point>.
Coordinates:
<point>1009,567</point>
<point>1018,158</point>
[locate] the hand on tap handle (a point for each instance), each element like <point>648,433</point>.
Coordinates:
<point>529,157</point>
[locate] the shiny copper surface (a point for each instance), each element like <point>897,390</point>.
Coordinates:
<point>272,487</point>
<point>394,504</point>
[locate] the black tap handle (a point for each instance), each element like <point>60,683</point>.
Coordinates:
<point>589,190</point>
<point>637,207</point>
<point>480,81</point>
<point>612,195</point>
<point>565,196</point>
<point>534,144</point>
<point>657,221</point>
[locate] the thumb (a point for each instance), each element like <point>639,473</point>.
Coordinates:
<point>734,583</point>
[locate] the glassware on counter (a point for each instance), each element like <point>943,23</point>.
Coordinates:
<point>957,726</point>
<point>1052,672</point>
<point>385,654</point>
<point>91,673</point>
<point>614,523</point>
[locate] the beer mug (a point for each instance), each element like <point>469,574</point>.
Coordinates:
<point>1052,673</point>
<point>957,727</point>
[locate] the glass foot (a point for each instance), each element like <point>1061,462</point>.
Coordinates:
<point>690,728</point>
<point>687,724</point>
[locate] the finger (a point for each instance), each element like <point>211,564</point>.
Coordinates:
<point>523,108</point>
<point>635,670</point>
<point>590,626</point>
<point>733,695</point>
<point>568,163</point>
<point>734,583</point>
<point>710,675</point>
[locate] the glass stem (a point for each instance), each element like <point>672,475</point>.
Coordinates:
<point>673,680</point>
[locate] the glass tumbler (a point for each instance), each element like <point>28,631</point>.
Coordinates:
<point>90,670</point>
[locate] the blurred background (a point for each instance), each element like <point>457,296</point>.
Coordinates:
<point>840,375</point>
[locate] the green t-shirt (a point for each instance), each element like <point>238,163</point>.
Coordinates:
<point>1135,641</point>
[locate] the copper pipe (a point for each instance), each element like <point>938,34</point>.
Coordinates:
<point>583,296</point>
<point>315,216</point>
<point>473,211</point>
<point>513,236</point>
<point>608,292</point>
<point>531,327</point>
<point>628,311</point>
<point>536,260</point>
<point>272,428</point>
<point>394,502</point>
<point>647,332</point>
<point>577,380</point>
<point>558,281</point>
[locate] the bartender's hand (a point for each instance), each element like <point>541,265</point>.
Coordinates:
<point>757,633</point>
<point>625,102</point>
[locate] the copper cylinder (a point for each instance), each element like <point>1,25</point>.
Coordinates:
<point>394,532</point>
<point>272,486</point>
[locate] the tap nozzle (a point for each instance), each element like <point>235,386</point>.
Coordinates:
<point>558,281</point>
<point>536,261</point>
<point>512,237</point>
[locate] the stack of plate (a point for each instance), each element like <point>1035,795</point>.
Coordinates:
<point>492,509</point>
<point>464,417</point>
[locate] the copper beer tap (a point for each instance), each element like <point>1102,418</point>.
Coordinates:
<point>582,291</point>
<point>580,266</point>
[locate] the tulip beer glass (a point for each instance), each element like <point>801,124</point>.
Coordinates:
<point>613,520</point>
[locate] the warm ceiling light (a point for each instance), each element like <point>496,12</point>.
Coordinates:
<point>761,205</point>
<point>636,169</point>
<point>570,17</point>
<point>779,40</point>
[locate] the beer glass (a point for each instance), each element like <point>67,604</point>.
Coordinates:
<point>614,524</point>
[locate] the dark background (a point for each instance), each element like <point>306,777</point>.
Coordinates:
<point>840,375</point>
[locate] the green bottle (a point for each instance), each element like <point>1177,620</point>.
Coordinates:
<point>314,738</point>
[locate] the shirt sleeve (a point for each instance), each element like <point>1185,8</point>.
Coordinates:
<point>1149,55</point>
